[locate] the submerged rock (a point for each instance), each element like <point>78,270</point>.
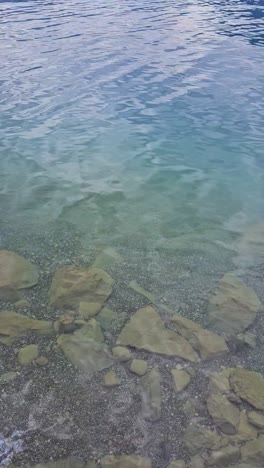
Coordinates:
<point>28,354</point>
<point>22,304</point>
<point>145,330</point>
<point>249,386</point>
<point>107,258</point>
<point>139,366</point>
<point>253,452</point>
<point>13,326</point>
<point>15,273</point>
<point>257,419</point>
<point>137,288</point>
<point>245,431</point>
<point>125,461</point>
<point>177,464</point>
<point>73,288</point>
<point>8,377</point>
<point>181,379</point>
<point>198,438</point>
<point>234,305</point>
<point>67,463</point>
<point>121,354</point>
<point>208,344</point>
<point>224,413</point>
<point>86,349</point>
<point>151,395</point>
<point>111,379</point>
<point>224,456</point>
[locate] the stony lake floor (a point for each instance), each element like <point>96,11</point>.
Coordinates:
<point>102,367</point>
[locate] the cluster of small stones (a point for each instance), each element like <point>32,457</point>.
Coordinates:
<point>235,400</point>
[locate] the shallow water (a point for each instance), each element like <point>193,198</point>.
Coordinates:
<point>139,126</point>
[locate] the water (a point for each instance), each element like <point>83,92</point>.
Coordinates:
<point>139,126</point>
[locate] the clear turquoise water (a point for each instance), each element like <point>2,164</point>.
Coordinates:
<point>141,123</point>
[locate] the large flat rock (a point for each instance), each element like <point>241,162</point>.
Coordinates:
<point>13,326</point>
<point>15,273</point>
<point>233,306</point>
<point>249,386</point>
<point>86,349</point>
<point>85,291</point>
<point>145,330</point>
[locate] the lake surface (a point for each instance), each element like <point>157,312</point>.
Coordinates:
<point>134,125</point>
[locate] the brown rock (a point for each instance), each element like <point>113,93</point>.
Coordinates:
<point>208,344</point>
<point>125,461</point>
<point>257,419</point>
<point>198,438</point>
<point>181,379</point>
<point>121,354</point>
<point>27,354</point>
<point>75,289</point>
<point>197,462</point>
<point>219,381</point>
<point>234,305</point>
<point>15,273</point>
<point>245,430</point>
<point>177,464</point>
<point>111,379</point>
<point>224,457</point>
<point>253,452</point>
<point>145,330</point>
<point>139,366</point>
<point>249,386</point>
<point>13,325</point>
<point>224,414</point>
<point>22,304</point>
<point>86,349</point>
<point>42,361</point>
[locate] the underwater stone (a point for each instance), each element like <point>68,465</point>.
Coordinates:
<point>139,366</point>
<point>224,456</point>
<point>28,354</point>
<point>198,438</point>
<point>13,325</point>
<point>125,461</point>
<point>234,305</point>
<point>73,287</point>
<point>111,379</point>
<point>86,349</point>
<point>121,354</point>
<point>253,451</point>
<point>145,330</point>
<point>181,379</point>
<point>224,413</point>
<point>151,395</point>
<point>15,273</point>
<point>249,386</point>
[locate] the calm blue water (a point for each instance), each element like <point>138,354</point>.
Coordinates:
<point>141,123</point>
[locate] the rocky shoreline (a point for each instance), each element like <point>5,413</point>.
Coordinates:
<point>139,387</point>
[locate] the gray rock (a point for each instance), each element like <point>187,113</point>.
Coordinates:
<point>151,395</point>
<point>121,354</point>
